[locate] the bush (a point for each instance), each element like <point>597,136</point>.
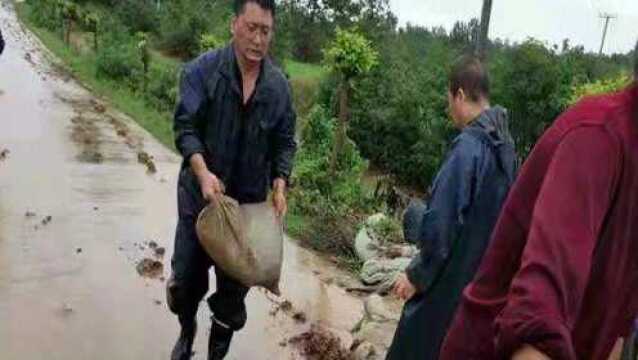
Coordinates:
<point>118,62</point>
<point>162,87</point>
<point>399,113</point>
<point>334,205</point>
<point>530,81</point>
<point>183,22</point>
<point>209,42</point>
<point>47,14</point>
<point>598,87</point>
<point>118,56</point>
<point>138,15</point>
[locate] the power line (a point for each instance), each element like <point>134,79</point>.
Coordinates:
<point>607,17</point>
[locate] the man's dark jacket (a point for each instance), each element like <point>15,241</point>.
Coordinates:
<point>247,151</point>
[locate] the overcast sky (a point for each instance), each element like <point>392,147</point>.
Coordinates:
<point>547,20</point>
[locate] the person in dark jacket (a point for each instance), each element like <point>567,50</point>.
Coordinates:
<point>557,279</point>
<point>234,126</point>
<point>456,224</point>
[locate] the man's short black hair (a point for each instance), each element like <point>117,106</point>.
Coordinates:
<point>469,74</point>
<point>264,4</point>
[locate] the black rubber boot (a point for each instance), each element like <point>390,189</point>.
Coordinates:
<point>183,349</point>
<point>219,340</point>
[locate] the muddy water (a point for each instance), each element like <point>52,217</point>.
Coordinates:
<point>78,209</point>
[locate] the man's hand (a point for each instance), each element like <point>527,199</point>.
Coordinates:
<point>529,352</point>
<point>211,186</point>
<point>209,183</point>
<point>279,197</point>
<point>403,288</point>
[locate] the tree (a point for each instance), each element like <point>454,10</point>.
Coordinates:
<point>349,56</point>
<point>465,34</point>
<point>91,23</point>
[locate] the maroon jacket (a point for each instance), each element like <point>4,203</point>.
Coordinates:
<point>562,266</point>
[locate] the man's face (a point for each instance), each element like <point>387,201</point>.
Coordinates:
<point>252,32</point>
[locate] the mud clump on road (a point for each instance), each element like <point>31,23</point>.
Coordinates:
<point>318,344</point>
<point>159,252</point>
<point>122,130</point>
<point>99,108</point>
<point>300,317</point>
<point>92,157</point>
<point>150,268</point>
<point>285,306</point>
<point>144,158</point>
<point>86,134</point>
<point>3,154</point>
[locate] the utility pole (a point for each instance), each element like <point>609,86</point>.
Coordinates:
<point>607,17</point>
<point>485,28</point>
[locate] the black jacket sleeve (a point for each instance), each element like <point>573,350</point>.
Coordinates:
<point>284,144</point>
<point>188,112</point>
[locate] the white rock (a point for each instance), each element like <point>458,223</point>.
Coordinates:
<point>378,333</point>
<point>366,351</point>
<point>376,310</point>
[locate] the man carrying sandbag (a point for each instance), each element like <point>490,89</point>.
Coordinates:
<point>234,126</point>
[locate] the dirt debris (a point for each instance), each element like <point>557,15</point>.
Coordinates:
<point>67,309</point>
<point>144,158</point>
<point>99,108</point>
<point>285,306</point>
<point>92,157</point>
<point>152,244</point>
<point>4,154</point>
<point>300,317</point>
<point>319,344</point>
<point>86,134</point>
<point>150,268</point>
<point>159,252</point>
<point>47,220</point>
<point>29,58</point>
<point>29,214</point>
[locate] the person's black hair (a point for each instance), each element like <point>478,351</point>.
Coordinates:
<point>240,6</point>
<point>469,74</point>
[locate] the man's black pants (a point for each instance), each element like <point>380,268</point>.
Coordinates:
<point>190,265</point>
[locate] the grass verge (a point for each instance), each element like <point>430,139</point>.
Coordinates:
<point>82,67</point>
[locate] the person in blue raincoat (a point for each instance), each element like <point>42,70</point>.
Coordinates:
<point>453,229</point>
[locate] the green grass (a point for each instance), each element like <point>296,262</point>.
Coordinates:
<point>295,224</point>
<point>163,60</point>
<point>299,70</point>
<point>82,67</point>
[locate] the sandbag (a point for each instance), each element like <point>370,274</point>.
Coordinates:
<point>412,219</point>
<point>245,241</point>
